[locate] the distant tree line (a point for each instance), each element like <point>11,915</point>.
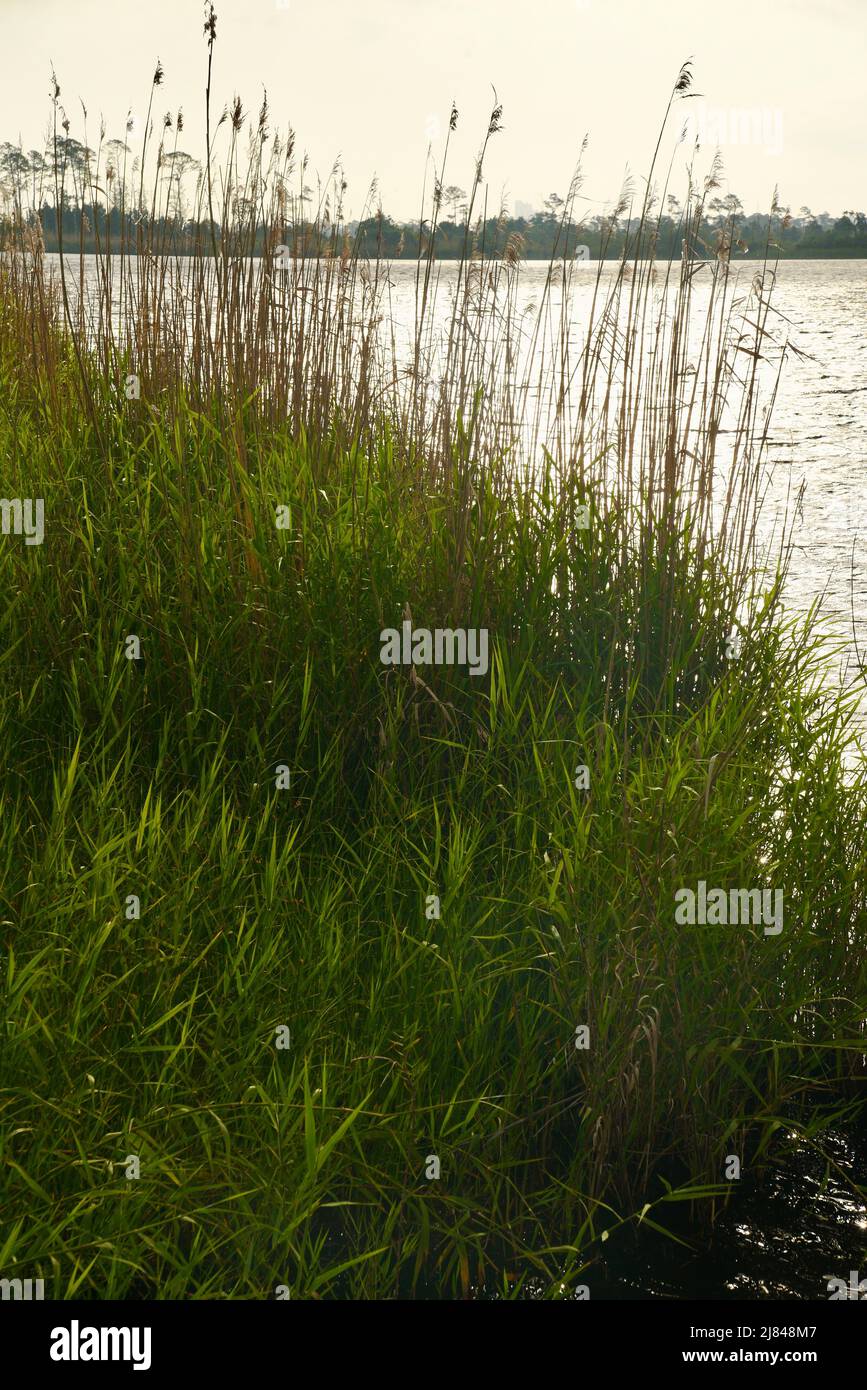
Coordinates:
<point>516,238</point>
<point>44,197</point>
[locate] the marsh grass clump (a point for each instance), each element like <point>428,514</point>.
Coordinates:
<point>571,499</point>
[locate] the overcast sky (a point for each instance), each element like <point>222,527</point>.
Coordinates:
<point>372,83</point>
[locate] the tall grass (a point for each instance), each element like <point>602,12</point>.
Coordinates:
<point>434,484</point>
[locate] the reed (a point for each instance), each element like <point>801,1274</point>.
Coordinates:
<point>446,476</point>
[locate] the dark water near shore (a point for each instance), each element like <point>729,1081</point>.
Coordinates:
<point>782,1237</point>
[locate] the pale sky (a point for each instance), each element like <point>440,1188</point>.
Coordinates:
<point>372,83</point>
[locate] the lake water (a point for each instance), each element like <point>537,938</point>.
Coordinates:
<point>819,436</point>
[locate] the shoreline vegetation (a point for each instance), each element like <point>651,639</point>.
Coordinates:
<point>361,980</point>
<point>91,230</point>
